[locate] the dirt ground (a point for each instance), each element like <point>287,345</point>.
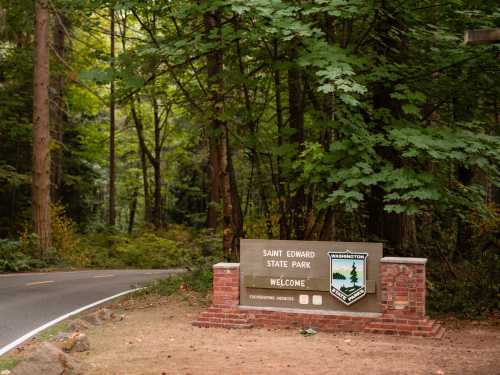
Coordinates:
<point>156,337</point>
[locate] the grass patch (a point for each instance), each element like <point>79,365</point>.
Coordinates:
<point>51,332</point>
<point>8,363</point>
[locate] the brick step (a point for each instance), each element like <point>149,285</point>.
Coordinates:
<point>381,331</point>
<point>421,328</point>
<point>404,321</point>
<point>439,333</point>
<point>224,309</point>
<point>221,317</point>
<point>437,330</point>
<point>399,327</point>
<point>224,315</point>
<point>232,321</point>
<point>203,324</point>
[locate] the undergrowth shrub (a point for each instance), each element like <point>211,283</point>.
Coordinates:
<point>198,279</point>
<point>472,290</point>
<point>200,276</point>
<point>468,284</point>
<point>152,251</point>
<point>13,259</point>
<point>176,247</point>
<point>65,239</point>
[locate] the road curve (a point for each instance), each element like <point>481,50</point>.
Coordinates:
<point>30,300</point>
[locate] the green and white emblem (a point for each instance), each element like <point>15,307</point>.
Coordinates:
<point>348,276</point>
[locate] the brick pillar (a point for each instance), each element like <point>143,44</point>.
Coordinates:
<point>226,285</point>
<point>402,282</point>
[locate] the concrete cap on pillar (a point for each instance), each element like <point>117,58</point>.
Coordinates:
<point>227,265</point>
<point>403,260</point>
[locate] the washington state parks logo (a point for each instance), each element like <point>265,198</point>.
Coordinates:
<point>348,276</point>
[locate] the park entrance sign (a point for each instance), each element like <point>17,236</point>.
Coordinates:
<point>313,275</point>
<point>329,286</point>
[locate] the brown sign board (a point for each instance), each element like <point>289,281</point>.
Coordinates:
<point>298,274</point>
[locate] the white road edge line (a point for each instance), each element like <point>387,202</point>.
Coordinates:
<point>29,335</point>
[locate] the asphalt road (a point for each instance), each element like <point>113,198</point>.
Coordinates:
<point>28,301</point>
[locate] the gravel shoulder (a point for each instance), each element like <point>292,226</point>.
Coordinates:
<point>157,337</point>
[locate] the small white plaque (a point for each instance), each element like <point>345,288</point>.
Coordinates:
<point>317,300</point>
<point>303,299</point>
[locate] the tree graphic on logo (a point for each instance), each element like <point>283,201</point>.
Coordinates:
<point>354,274</point>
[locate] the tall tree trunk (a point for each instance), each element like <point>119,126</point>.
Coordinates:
<point>296,108</point>
<point>148,212</point>
<point>157,207</point>
<point>145,185</point>
<point>145,155</point>
<point>215,86</point>
<point>133,210</point>
<point>57,115</point>
<point>112,129</point>
<point>157,203</point>
<point>41,129</point>
<point>219,129</point>
<point>228,239</point>
<point>495,193</point>
<point>283,220</point>
<point>329,229</point>
<point>263,198</point>
<point>214,181</point>
<point>237,214</point>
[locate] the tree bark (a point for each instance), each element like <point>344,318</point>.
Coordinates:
<point>214,182</point>
<point>214,68</point>
<point>57,114</point>
<point>296,117</point>
<point>148,212</point>
<point>112,129</point>
<point>133,210</point>
<point>146,155</point>
<point>228,239</point>
<point>157,207</point>
<point>145,184</point>
<point>282,201</point>
<point>41,130</point>
<point>237,214</point>
<point>329,229</point>
<point>219,129</point>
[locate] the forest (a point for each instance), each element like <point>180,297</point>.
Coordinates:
<point>159,133</point>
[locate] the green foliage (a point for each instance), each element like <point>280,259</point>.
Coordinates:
<point>64,237</point>
<point>9,177</point>
<point>200,275</point>
<point>152,251</point>
<point>176,247</point>
<point>198,279</point>
<point>13,259</point>
<point>472,290</point>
